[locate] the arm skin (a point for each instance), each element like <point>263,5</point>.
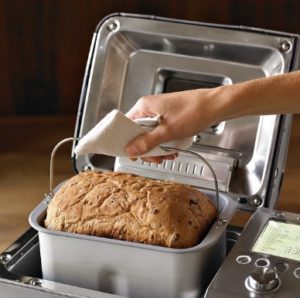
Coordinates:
<point>188,112</point>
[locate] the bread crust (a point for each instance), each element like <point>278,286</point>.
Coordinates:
<point>133,208</point>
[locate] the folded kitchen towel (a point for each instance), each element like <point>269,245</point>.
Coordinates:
<point>112,134</point>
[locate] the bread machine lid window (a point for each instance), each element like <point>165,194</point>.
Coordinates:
<point>135,55</point>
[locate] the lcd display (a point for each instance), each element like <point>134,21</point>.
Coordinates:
<point>279,239</point>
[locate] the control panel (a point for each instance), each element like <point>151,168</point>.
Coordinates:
<point>265,261</point>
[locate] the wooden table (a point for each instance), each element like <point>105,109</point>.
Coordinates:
<point>26,144</point>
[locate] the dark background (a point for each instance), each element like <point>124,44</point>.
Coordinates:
<point>44,43</point>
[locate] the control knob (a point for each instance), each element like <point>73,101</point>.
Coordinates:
<point>263,280</point>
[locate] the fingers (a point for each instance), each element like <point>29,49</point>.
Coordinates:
<point>149,106</point>
<point>134,114</point>
<point>133,158</point>
<point>154,159</point>
<point>145,142</point>
<point>141,109</point>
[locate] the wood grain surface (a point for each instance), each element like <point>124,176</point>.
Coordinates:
<point>25,147</point>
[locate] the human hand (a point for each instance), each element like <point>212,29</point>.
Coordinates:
<point>187,113</point>
<point>183,114</point>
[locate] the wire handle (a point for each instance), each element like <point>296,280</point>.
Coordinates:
<point>51,193</point>
<point>208,165</point>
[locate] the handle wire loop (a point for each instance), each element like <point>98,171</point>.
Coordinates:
<point>51,193</point>
<point>208,165</point>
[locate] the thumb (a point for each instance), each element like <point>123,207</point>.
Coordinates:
<point>145,142</point>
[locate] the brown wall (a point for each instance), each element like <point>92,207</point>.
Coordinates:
<point>44,43</point>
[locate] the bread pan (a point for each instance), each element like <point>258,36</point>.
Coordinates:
<point>132,269</point>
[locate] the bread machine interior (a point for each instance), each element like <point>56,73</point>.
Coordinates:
<point>134,55</point>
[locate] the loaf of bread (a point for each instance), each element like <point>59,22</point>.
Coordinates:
<point>133,208</point>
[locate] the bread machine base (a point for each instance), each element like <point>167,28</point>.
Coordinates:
<point>265,261</point>
<point>134,55</point>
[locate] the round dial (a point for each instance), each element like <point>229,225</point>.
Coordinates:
<point>262,280</point>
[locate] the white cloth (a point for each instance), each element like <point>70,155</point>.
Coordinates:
<point>112,134</point>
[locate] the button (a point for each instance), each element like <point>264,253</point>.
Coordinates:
<point>243,259</point>
<point>281,267</point>
<point>262,262</point>
<point>297,272</point>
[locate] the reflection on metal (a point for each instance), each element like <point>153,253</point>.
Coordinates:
<point>203,159</point>
<point>149,56</point>
<point>5,257</point>
<point>285,46</point>
<point>51,174</point>
<point>35,282</point>
<point>113,25</point>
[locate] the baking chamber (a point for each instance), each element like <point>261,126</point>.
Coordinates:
<point>132,56</point>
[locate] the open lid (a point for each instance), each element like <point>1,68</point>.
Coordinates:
<point>134,55</point>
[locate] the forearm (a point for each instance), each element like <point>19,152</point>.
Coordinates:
<point>274,95</point>
<point>189,112</point>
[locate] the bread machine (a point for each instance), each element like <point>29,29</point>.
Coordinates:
<point>136,55</point>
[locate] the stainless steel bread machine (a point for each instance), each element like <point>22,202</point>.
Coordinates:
<point>135,55</point>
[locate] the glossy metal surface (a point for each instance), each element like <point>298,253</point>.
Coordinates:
<point>264,275</point>
<point>263,280</point>
<point>125,268</point>
<point>21,274</point>
<point>133,56</point>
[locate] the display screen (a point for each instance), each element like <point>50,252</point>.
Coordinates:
<point>279,239</point>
